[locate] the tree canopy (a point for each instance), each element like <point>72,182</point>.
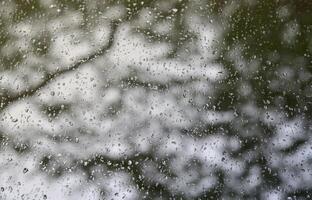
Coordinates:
<point>155,99</point>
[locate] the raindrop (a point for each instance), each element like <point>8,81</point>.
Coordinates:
<point>25,170</point>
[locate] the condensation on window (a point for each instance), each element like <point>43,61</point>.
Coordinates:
<point>155,99</point>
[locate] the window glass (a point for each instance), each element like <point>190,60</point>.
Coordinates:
<point>155,99</point>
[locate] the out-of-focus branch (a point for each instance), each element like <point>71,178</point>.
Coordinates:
<point>7,99</point>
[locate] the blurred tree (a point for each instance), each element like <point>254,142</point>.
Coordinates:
<point>157,99</point>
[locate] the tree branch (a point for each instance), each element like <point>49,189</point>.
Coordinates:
<point>6,99</point>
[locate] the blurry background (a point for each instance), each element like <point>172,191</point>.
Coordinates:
<point>155,99</point>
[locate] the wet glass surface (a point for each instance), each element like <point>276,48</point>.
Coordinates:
<point>155,99</point>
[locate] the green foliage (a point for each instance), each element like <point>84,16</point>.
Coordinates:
<point>264,46</point>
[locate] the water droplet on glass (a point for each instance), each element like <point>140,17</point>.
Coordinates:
<point>25,170</point>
